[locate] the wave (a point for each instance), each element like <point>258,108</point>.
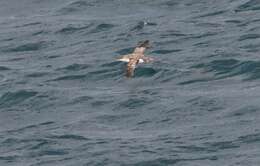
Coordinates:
<point>244,111</point>
<point>101,28</point>
<point>28,127</point>
<point>145,72</point>
<point>27,47</point>
<point>96,75</point>
<point>37,74</point>
<point>74,67</point>
<point>134,103</point>
<point>141,24</point>
<point>215,13</point>
<point>70,29</point>
<point>249,37</point>
<point>3,68</point>
<point>15,98</point>
<point>168,161</point>
<point>166,51</point>
<point>69,137</point>
<point>76,6</point>
<point>227,68</point>
<point>125,51</point>
<point>250,5</point>
<point>70,77</point>
<point>250,138</point>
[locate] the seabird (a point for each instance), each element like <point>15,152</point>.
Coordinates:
<point>136,57</point>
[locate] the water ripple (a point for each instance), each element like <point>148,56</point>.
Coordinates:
<point>166,51</point>
<point>75,6</point>
<point>65,100</point>
<point>28,47</point>
<point>232,67</point>
<point>69,137</point>
<point>75,67</point>
<point>250,5</point>
<point>101,28</point>
<point>212,14</point>
<point>135,103</point>
<point>37,74</point>
<point>70,77</point>
<point>145,72</point>
<point>70,29</point>
<point>14,98</point>
<point>3,68</point>
<point>250,138</point>
<point>249,36</point>
<point>141,24</point>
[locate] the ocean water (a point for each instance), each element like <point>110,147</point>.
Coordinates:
<point>65,101</point>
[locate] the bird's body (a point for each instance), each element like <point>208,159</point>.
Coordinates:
<point>135,58</point>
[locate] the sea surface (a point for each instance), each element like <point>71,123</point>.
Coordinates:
<point>65,101</point>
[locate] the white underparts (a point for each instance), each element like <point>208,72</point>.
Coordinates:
<point>127,60</point>
<point>141,61</point>
<point>123,59</point>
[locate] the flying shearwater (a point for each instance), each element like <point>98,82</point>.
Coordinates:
<point>136,57</point>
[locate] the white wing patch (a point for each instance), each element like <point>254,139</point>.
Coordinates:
<point>123,59</point>
<point>140,61</point>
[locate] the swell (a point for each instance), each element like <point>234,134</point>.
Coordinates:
<point>106,71</point>
<point>14,98</point>
<point>101,28</point>
<point>215,13</point>
<point>74,67</point>
<point>227,68</point>
<point>76,6</point>
<point>247,6</point>
<point>4,68</point>
<point>70,29</point>
<point>249,37</point>
<point>141,25</point>
<point>166,51</point>
<point>34,46</point>
<point>69,137</point>
<point>28,128</point>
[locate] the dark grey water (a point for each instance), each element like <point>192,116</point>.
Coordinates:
<point>64,101</point>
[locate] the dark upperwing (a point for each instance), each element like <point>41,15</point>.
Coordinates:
<point>141,47</point>
<point>131,67</point>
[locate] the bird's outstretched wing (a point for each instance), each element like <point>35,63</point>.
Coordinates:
<point>141,47</point>
<point>145,44</point>
<point>131,67</point>
<point>147,59</point>
<point>125,58</point>
<point>139,50</point>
